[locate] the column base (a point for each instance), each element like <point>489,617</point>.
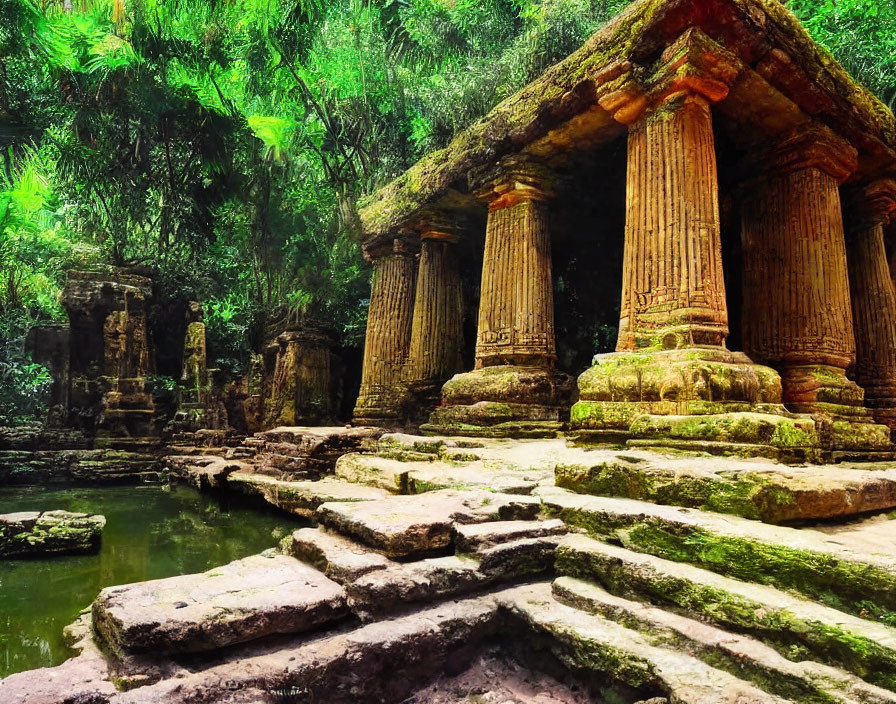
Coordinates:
<point>382,407</point>
<point>711,400</point>
<point>502,401</point>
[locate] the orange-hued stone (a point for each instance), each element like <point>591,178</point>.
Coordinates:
<point>437,330</point>
<point>873,296</point>
<point>797,312</point>
<point>388,337</point>
<point>516,309</point>
<point>673,289</point>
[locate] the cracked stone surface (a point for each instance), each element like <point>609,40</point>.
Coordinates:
<point>402,526</point>
<point>243,600</point>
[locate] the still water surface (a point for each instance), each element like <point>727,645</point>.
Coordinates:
<point>151,532</point>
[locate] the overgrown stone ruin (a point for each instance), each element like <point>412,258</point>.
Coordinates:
<point>682,523</point>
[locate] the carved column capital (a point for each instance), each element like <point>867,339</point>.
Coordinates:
<point>810,146</point>
<point>436,224</point>
<point>514,180</point>
<point>407,243</point>
<point>692,67</point>
<point>872,203</point>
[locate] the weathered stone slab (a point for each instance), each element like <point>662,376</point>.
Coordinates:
<point>597,644</point>
<point>801,559</point>
<point>405,476</point>
<point>342,560</point>
<point>479,536</point>
<point>301,497</point>
<point>424,580</point>
<point>49,532</point>
<point>401,526</point>
<point>754,660</point>
<point>301,452</point>
<point>866,648</point>
<point>380,662</point>
<point>203,471</point>
<point>430,579</point>
<point>750,488</point>
<point>241,601</point>
<point>520,557</point>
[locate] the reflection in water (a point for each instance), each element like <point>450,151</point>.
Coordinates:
<point>151,532</point>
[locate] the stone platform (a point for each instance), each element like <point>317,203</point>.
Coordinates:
<point>626,576</point>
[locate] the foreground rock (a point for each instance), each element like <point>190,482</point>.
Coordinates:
<point>752,659</point>
<point>244,600</point>
<point>49,533</point>
<point>866,648</point>
<point>822,567</point>
<point>593,643</point>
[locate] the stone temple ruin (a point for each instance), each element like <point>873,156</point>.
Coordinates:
<point>683,523</point>
<point>808,164</point>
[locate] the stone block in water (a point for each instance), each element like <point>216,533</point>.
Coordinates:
<point>49,532</point>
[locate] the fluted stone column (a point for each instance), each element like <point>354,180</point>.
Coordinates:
<point>673,288</point>
<point>867,211</point>
<point>797,312</point>
<point>514,389</point>
<point>671,361</point>
<point>516,307</point>
<point>388,338</point>
<point>437,330</point>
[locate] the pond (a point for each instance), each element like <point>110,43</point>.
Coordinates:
<point>151,532</point>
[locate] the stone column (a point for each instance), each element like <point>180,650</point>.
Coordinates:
<point>513,389</point>
<point>437,331</point>
<point>671,361</point>
<point>516,305</point>
<point>797,313</point>
<point>867,211</point>
<point>673,289</point>
<point>386,346</point>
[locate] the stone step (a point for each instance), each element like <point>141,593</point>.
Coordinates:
<point>340,559</point>
<point>757,489</point>
<point>415,477</point>
<point>740,655</point>
<point>244,600</point>
<point>792,624</point>
<point>479,536</point>
<point>824,567</point>
<point>301,497</point>
<point>420,525</point>
<point>384,661</point>
<point>593,643</point>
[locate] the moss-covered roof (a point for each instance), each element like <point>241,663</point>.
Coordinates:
<point>764,35</point>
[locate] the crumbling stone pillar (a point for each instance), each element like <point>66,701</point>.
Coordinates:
<point>671,361</point>
<point>797,313</point>
<point>867,211</point>
<point>514,389</point>
<point>301,382</point>
<point>382,397</point>
<point>50,345</point>
<point>437,330</point>
<point>194,367</point>
<point>110,354</point>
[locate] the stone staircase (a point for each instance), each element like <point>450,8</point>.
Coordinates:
<point>634,576</point>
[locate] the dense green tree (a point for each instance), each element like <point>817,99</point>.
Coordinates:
<point>226,144</point>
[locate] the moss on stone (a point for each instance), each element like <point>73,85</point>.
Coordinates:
<point>842,584</point>
<point>778,627</point>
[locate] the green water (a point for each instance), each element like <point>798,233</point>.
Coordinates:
<point>150,532</point>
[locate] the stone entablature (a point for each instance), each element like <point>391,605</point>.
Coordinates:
<point>668,76</point>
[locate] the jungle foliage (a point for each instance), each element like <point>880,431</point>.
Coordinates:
<point>225,143</point>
